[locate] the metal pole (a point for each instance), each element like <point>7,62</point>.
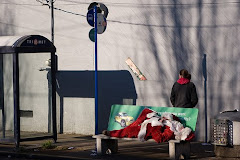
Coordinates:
<point>3,119</point>
<point>205,96</point>
<point>96,73</point>
<point>205,104</point>
<point>16,99</point>
<point>53,80</point>
<point>2,95</point>
<point>52,20</point>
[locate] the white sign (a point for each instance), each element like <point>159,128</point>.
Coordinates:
<point>101,23</point>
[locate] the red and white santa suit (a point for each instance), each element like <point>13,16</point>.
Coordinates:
<point>151,126</point>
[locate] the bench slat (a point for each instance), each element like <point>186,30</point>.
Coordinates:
<point>102,136</point>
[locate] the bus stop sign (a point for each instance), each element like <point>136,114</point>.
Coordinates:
<point>90,17</point>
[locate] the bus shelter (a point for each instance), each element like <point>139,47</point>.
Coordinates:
<point>27,89</point>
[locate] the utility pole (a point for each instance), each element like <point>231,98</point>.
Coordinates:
<point>52,20</point>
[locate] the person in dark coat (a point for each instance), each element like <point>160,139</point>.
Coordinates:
<point>184,92</point>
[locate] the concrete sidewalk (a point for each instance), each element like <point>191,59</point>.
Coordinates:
<point>74,146</point>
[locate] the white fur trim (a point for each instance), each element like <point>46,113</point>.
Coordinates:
<point>153,114</point>
<point>154,122</point>
<point>168,116</point>
<point>180,132</point>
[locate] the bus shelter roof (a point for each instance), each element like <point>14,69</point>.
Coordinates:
<point>25,44</point>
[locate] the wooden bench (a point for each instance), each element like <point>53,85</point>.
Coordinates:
<point>177,148</point>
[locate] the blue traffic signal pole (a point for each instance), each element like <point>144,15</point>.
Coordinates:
<point>96,72</point>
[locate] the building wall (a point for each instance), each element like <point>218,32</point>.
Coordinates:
<point>161,37</point>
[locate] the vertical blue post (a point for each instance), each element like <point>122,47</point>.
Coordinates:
<point>96,73</point>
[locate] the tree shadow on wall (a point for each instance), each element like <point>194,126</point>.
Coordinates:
<point>114,87</point>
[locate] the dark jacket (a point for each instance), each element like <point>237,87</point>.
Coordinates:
<point>184,95</point>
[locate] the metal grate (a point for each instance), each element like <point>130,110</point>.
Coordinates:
<point>221,132</point>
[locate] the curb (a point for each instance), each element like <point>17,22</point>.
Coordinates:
<point>39,156</point>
